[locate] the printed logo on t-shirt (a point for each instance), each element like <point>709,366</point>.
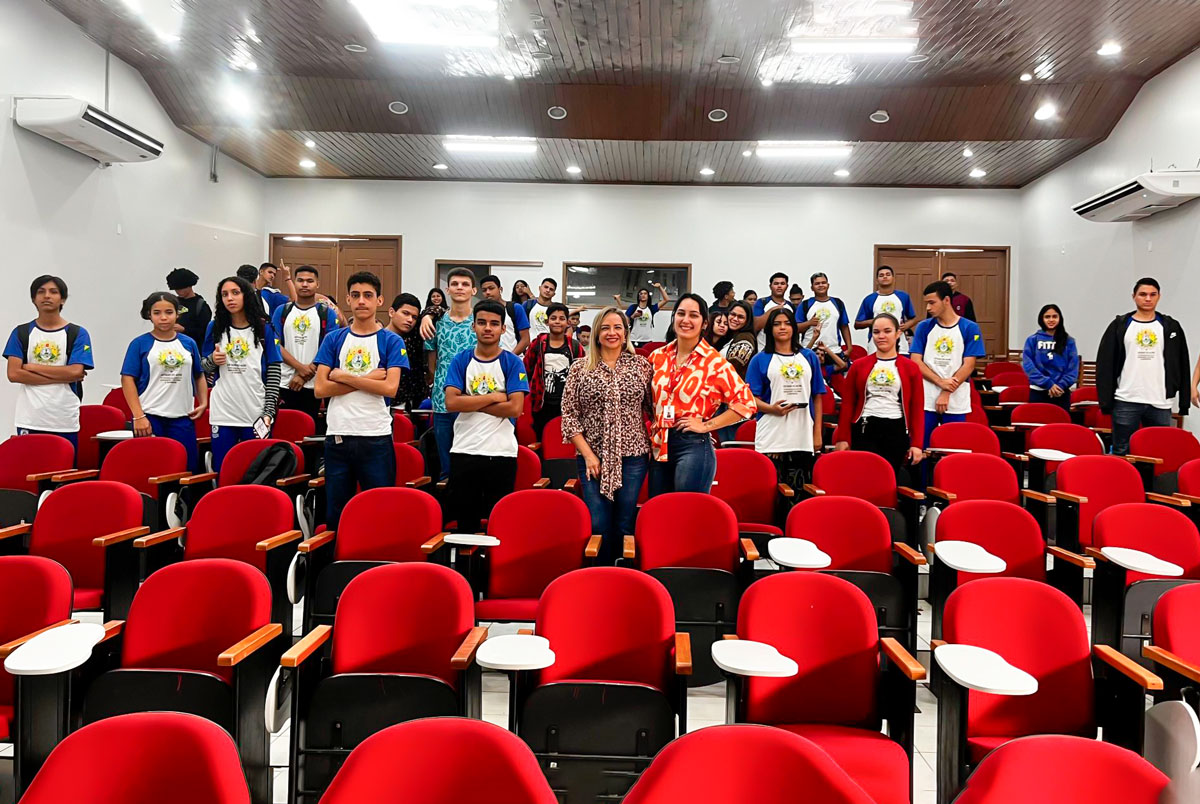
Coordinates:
<point>238,349</point>
<point>301,324</point>
<point>358,360</point>
<point>1146,338</point>
<point>822,314</point>
<point>882,377</point>
<point>539,316</point>
<point>890,306</point>
<point>46,352</point>
<point>171,359</point>
<point>792,369</point>
<point>944,345</point>
<point>482,384</point>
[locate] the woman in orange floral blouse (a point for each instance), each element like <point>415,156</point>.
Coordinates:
<point>691,382</point>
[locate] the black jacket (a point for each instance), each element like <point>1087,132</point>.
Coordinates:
<point>1110,359</point>
<point>194,315</point>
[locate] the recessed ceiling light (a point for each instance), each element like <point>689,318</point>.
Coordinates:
<point>707,171</point>
<point>804,149</point>
<point>238,101</point>
<point>746,153</point>
<point>307,163</point>
<point>861,45</point>
<point>1109,49</point>
<point>456,23</point>
<point>489,145</point>
<point>978,173</point>
<point>253,36</point>
<point>885,8</point>
<point>879,116</point>
<point>917,58</point>
<point>968,153</point>
<point>574,170</point>
<point>841,173</point>
<point>1026,76</point>
<point>310,144</point>
<point>766,82</point>
<point>541,55</point>
<point>1045,111</point>
<point>728,59</point>
<point>718,115</point>
<point>509,77</point>
<point>398,107</point>
<point>556,113</point>
<point>353,47</point>
<point>440,166</point>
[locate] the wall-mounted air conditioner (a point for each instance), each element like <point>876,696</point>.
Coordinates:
<point>1145,195</point>
<point>82,127</point>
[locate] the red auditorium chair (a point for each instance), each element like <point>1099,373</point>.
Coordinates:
<point>748,482</point>
<point>422,763</point>
<point>614,696</point>
<point>856,537</point>
<point>529,471</point>
<point>856,352</point>
<point>963,437</point>
<point>526,435</point>
<point>558,459</point>
<point>848,679</point>
<point>233,470</point>
<point>543,533</point>
<point>1036,629</point>
<point>1188,477</point>
<point>1051,769</point>
<point>410,473</point>
<point>743,437</point>
<point>713,765</point>
<point>1171,448</point>
<point>293,425</point>
<point>1010,379</point>
<point>865,475</point>
<point>1000,413</point>
<point>26,465</point>
<point>1175,644</point>
<point>152,466</point>
<point>1124,594</point>
<point>95,419</point>
<point>998,367</point>
<point>35,594</point>
<point>116,399</point>
<point>403,430</point>
<point>251,524</point>
<point>1025,417</point>
<point>379,526</point>
<point>143,759</point>
<point>961,477</point>
<point>198,639</point>
<point>401,648</point>
<point>89,528</point>
<point>689,542</point>
<point>1085,410</point>
<point>1072,439</point>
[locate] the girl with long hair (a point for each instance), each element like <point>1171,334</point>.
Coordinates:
<point>521,292</point>
<point>718,329</point>
<point>1050,359</point>
<point>741,344</point>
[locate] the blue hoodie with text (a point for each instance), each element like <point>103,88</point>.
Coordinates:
<point>1045,367</point>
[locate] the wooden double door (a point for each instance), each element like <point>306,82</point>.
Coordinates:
<point>982,274</point>
<point>337,257</point>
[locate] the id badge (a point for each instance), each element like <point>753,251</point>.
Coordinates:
<point>668,417</point>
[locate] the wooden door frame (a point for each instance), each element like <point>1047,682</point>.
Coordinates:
<point>686,266</point>
<point>398,238</point>
<point>1007,274</point>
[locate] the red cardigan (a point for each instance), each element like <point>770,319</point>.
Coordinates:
<point>912,398</point>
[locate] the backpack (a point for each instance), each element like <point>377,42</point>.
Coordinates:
<point>273,463</point>
<point>72,333</point>
<point>322,314</point>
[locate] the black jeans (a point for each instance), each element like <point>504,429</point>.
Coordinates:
<point>1063,401</point>
<point>793,468</point>
<point>887,438</point>
<point>477,482</point>
<point>549,410</point>
<point>354,463</point>
<point>305,400</point>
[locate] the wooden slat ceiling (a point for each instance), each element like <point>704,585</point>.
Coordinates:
<point>638,78</point>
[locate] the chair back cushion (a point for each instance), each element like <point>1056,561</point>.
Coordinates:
<point>977,477</point>
<point>1104,480</point>
<point>1003,529</point>
<point>1176,626</point>
<point>1163,532</point>
<point>75,514</point>
<point>228,522</point>
<point>542,534</point>
<point>136,460</point>
<point>965,435</point>
<point>34,592</point>
<point>25,455</point>
<point>687,529</point>
<point>747,480</point>
<point>1174,445</point>
<point>387,524</point>
<point>851,473</point>
<point>861,539</point>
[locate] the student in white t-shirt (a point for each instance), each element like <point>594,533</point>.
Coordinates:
<point>887,299</point>
<point>516,323</point>
<point>538,309</point>
<point>486,387</point>
<point>301,327</point>
<point>787,384</point>
<point>641,315</point>
<point>162,378</point>
<point>823,321</point>
<point>358,371</point>
<point>48,358</point>
<point>945,348</point>
<point>240,348</point>
<point>778,298</point>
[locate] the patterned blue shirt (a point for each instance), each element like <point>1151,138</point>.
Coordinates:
<point>450,338</point>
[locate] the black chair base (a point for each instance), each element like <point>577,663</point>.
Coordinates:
<point>16,507</point>
<point>331,581</point>
<point>706,602</point>
<point>123,692</point>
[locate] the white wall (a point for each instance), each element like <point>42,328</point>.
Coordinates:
<point>743,234</point>
<point>59,213</point>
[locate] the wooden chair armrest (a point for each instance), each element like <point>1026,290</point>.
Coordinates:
<point>541,483</point>
<point>1166,499</point>
<point>16,530</point>
<point>1143,459</point>
<point>70,477</point>
<point>1101,430</point>
<point>1127,667</point>
<point>9,647</point>
<point>1015,456</point>
<point>909,554</point>
<point>465,654</point>
<point>37,477</point>
<point>293,480</point>
<point>934,644</point>
<point>320,540</point>
<point>786,490</point>
<point>247,646</point>
<point>307,645</point>
<point>629,547</point>
<point>1094,552</point>
<point>592,548</point>
<point>441,485</point>
<point>1068,497</point>
<point>160,479</point>
<point>278,541</point>
<point>1193,499</point>
<point>683,653</point>
<point>1071,558</point>
<point>423,480</point>
<point>525,631</point>
<point>317,482</point>
<point>159,538</point>
<point>536,446</point>
<point>991,407</point>
<point>1002,428</point>
<point>1160,655</point>
<point>904,661</point>
<point>912,494</point>
<point>113,628</point>
<point>435,543</point>
<point>203,477</point>
<point>749,550</point>
<point>1030,494</point>
<point>812,491</point>
<point>571,484</point>
<point>940,493</point>
<point>729,636</point>
<point>120,536</point>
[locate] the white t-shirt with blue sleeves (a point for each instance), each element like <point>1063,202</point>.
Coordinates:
<point>165,374</point>
<point>361,413</point>
<point>793,378</point>
<point>896,304</point>
<point>479,433</point>
<point>300,335</point>
<point>943,349</point>
<point>240,391</point>
<point>53,408</point>
<point>641,329</point>
<point>514,325</point>
<point>765,305</point>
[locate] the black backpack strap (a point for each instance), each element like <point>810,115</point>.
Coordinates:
<point>323,314</point>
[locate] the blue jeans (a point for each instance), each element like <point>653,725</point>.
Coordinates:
<point>443,430</point>
<point>354,463</point>
<point>691,465</point>
<point>1127,417</point>
<point>225,438</point>
<point>933,419</point>
<point>182,430</point>
<point>614,518</point>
